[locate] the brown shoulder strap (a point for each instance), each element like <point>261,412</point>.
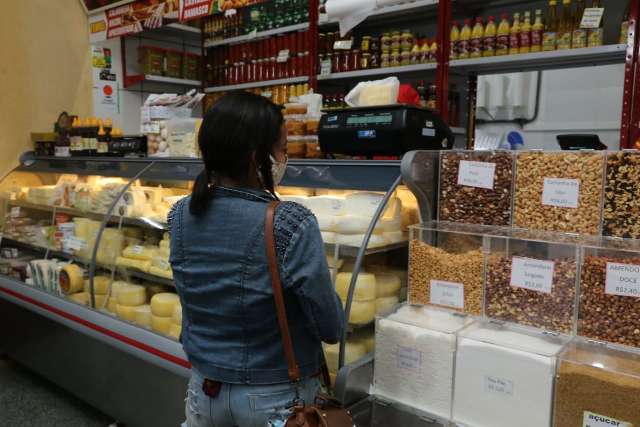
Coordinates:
<point>270,241</point>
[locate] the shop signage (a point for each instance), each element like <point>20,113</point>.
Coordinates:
<point>193,9</point>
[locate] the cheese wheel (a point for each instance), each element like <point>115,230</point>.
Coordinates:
<point>155,289</point>
<point>162,304</point>
<point>354,351</point>
<point>331,262</point>
<point>164,244</point>
<point>329,237</point>
<point>116,286</point>
<point>101,301</point>
<point>132,295</point>
<point>328,222</point>
<point>71,280</point>
<point>387,285</point>
<point>362,312</point>
<point>80,298</point>
<point>365,286</point>
<point>161,324</point>
<point>386,304</point>
<point>143,315</point>
<point>100,285</point>
<point>176,317</point>
<point>112,305</point>
<point>126,312</point>
<point>175,331</point>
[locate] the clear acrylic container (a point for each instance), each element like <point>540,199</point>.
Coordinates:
<point>505,376</point>
<point>446,266</point>
<point>532,282</point>
<point>622,195</point>
<point>415,358</point>
<point>597,385</point>
<point>476,187</point>
<point>610,292</point>
<point>559,191</point>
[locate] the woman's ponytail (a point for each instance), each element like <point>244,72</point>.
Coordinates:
<point>200,195</point>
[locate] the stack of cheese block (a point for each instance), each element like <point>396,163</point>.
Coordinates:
<point>160,261</point>
<point>129,298</point>
<point>166,314</point>
<point>137,256</point>
<point>356,348</point>
<point>344,220</point>
<point>374,294</point>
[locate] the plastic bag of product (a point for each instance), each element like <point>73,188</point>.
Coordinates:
<point>183,137</point>
<point>378,92</point>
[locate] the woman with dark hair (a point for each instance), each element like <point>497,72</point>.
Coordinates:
<point>230,330</point>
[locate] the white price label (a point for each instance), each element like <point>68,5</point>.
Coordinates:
<point>164,265</point>
<point>283,56</point>
<point>145,115</point>
<point>498,385</point>
<point>448,294</point>
<point>594,420</point>
<point>75,244</point>
<point>15,212</point>
<point>343,44</point>
<point>623,280</point>
<point>476,174</point>
<point>325,67</point>
<point>137,249</point>
<point>592,17</point>
<point>533,274</point>
<point>560,192</point>
<point>409,358</point>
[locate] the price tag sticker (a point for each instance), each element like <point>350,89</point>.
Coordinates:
<point>145,115</point>
<point>325,67</point>
<point>476,174</point>
<point>448,294</point>
<point>283,56</point>
<point>595,420</point>
<point>623,280</point>
<point>561,193</point>
<point>15,212</point>
<point>137,249</point>
<point>498,385</point>
<point>409,358</point>
<point>533,274</point>
<point>343,44</point>
<point>164,265</point>
<point>75,244</point>
<point>592,17</point>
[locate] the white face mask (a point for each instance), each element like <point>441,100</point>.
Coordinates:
<point>278,169</point>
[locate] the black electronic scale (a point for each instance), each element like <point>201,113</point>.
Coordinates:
<point>389,130</point>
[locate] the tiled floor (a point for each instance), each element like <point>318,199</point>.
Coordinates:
<point>28,400</point>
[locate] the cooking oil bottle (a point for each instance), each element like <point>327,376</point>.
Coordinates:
<point>550,37</point>
<point>502,40</point>
<point>566,26</point>
<point>525,34</point>
<point>465,36</point>
<point>489,41</point>
<point>596,34</point>
<point>477,36</point>
<point>536,32</point>
<point>514,38</point>
<point>579,38</point>
<point>624,28</point>
<point>455,40</point>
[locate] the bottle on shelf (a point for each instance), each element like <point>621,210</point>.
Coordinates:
<point>455,38</point>
<point>465,37</point>
<point>566,26</point>
<point>433,50</point>
<point>624,27</point>
<point>525,34</point>
<point>514,38</point>
<point>550,36</point>
<point>425,51</point>
<point>596,35</point>
<point>489,41</point>
<point>502,40</point>
<point>536,32</point>
<point>477,36</point>
<point>103,142</point>
<point>579,38</point>
<point>422,93</point>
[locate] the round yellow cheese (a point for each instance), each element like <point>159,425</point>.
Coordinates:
<point>126,312</point>
<point>80,298</point>
<point>354,351</point>
<point>101,301</point>
<point>365,286</point>
<point>386,304</point>
<point>162,304</point>
<point>362,312</point>
<point>71,279</point>
<point>174,331</point>
<point>155,289</point>
<point>112,305</point>
<point>143,315</point>
<point>100,285</point>
<point>387,285</point>
<point>176,317</point>
<point>132,295</point>
<point>160,324</point>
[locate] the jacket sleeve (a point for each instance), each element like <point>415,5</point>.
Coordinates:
<point>306,273</point>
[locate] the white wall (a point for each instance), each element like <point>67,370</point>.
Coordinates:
<point>581,100</point>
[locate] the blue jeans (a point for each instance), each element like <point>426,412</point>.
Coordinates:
<point>243,405</point>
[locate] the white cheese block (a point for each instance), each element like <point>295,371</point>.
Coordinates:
<point>362,312</point>
<point>392,237</point>
<point>301,200</point>
<point>174,331</point>
<point>386,304</point>
<point>163,304</point>
<point>126,312</point>
<point>329,237</point>
<point>352,224</point>
<point>387,285</point>
<point>143,315</point>
<point>386,225</point>
<point>365,286</point>
<point>326,205</point>
<point>161,324</point>
<point>363,204</point>
<point>100,285</point>
<point>328,222</point>
<point>355,240</point>
<point>176,317</point>
<point>132,295</point>
<point>354,351</point>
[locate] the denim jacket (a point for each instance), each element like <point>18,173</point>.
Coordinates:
<point>229,329</point>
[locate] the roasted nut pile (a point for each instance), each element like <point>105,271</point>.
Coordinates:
<point>622,196</point>
<point>549,311</point>
<point>472,204</point>
<point>427,263</point>
<point>602,316</point>
<point>531,170</point>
